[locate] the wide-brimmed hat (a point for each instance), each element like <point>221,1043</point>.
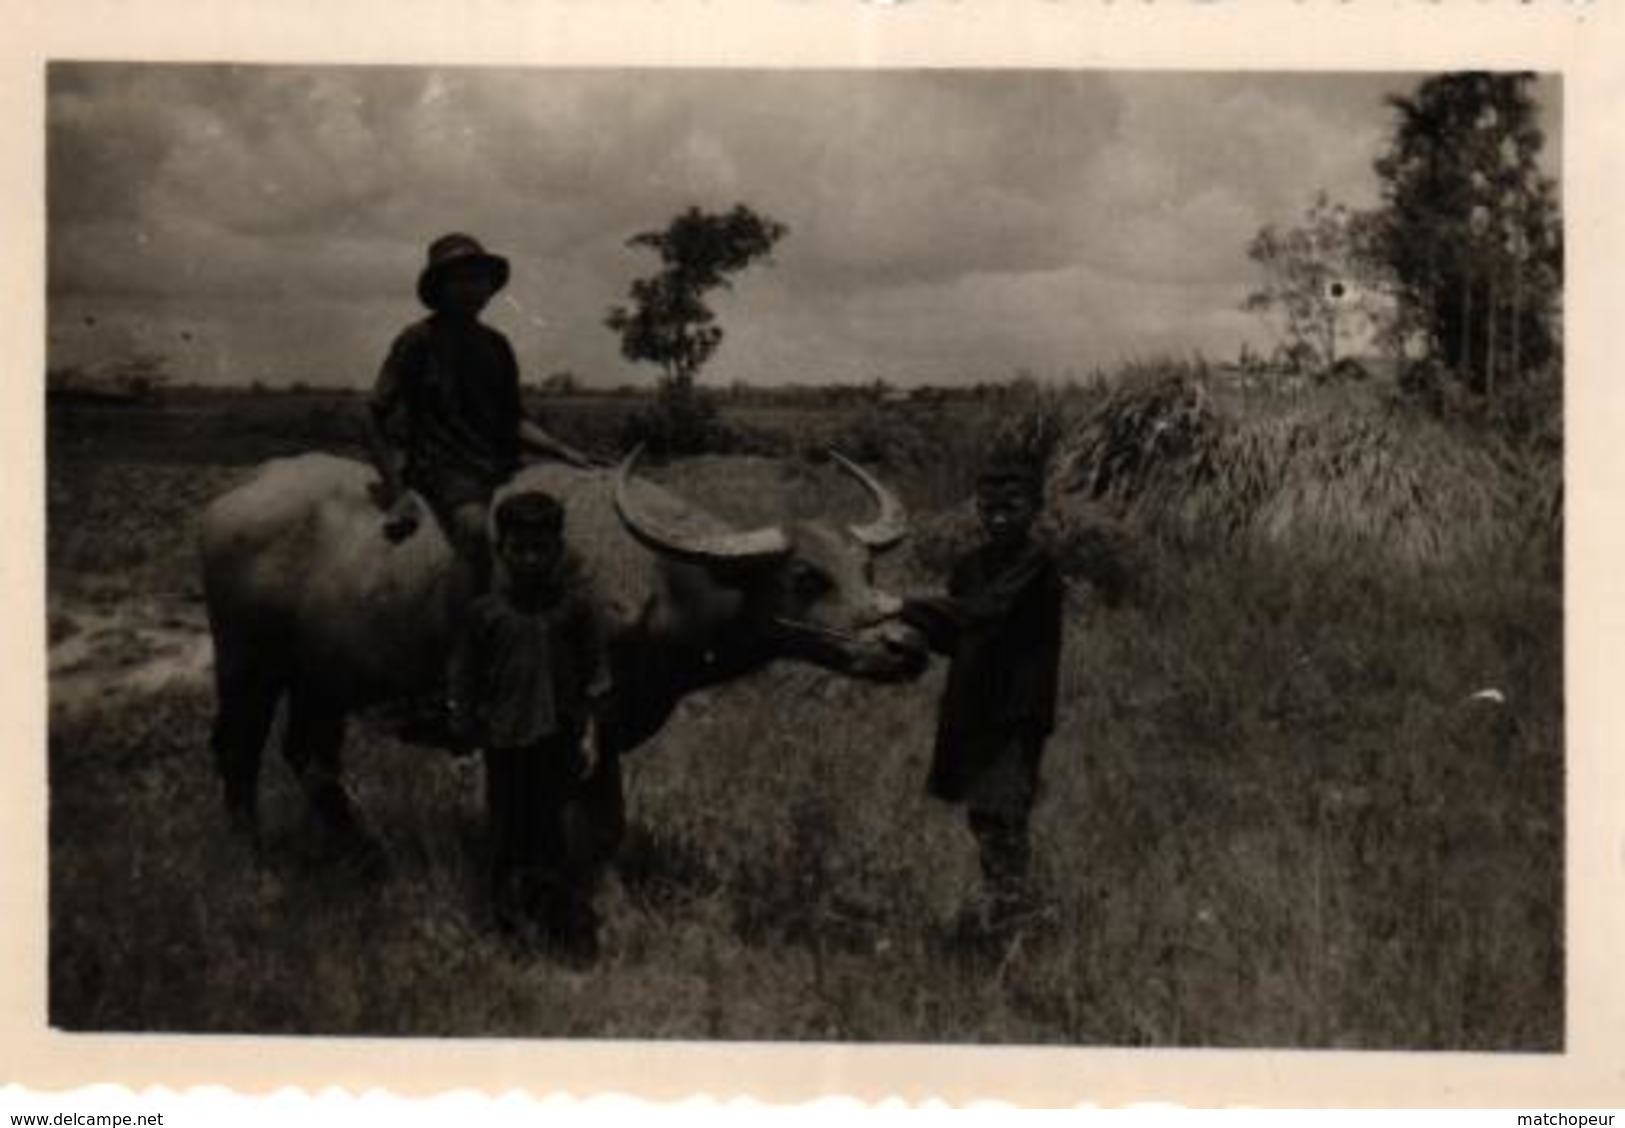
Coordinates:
<point>449,250</point>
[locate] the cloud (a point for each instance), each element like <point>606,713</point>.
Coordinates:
<point>938,220</point>
<point>1197,165</point>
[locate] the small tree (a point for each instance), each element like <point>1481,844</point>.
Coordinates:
<point>1321,279</point>
<point>668,321</point>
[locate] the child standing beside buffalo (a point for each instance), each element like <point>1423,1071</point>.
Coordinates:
<point>527,678</point>
<point>1000,625</point>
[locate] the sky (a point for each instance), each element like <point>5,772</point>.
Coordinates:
<point>268,223</point>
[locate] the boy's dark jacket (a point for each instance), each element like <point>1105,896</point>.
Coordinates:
<point>524,676</point>
<point>1000,623</point>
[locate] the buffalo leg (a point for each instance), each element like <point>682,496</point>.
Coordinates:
<point>246,697</point>
<point>600,811</point>
<point>313,746</point>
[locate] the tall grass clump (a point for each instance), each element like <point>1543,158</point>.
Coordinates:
<point>1314,475</point>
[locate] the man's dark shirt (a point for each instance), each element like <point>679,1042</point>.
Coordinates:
<point>448,393</point>
<point>1001,625</point>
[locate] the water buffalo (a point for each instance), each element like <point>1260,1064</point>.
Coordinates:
<point>310,604</point>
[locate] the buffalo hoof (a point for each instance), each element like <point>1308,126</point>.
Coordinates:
<point>243,835</point>
<point>544,920</point>
<point>243,825</point>
<point>356,853</point>
<point>360,857</point>
<point>577,951</point>
<point>992,932</point>
<point>529,936</point>
<point>571,949</point>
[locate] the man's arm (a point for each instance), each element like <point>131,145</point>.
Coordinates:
<point>390,462</point>
<point>388,426</point>
<point>937,616</point>
<point>532,435</point>
<point>944,618</point>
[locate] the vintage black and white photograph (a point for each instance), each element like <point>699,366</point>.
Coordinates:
<point>1033,557</point>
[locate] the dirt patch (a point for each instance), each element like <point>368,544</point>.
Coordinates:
<point>137,649</point>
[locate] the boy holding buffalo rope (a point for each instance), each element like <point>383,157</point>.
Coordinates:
<point>527,678</point>
<point>1000,623</point>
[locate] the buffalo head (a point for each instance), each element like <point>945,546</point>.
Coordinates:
<point>804,589</point>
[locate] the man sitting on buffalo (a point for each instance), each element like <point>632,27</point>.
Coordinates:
<point>527,677</point>
<point>446,416</point>
<point>1000,623</point>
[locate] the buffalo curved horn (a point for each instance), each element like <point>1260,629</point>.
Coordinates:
<point>707,548</point>
<point>891,525</point>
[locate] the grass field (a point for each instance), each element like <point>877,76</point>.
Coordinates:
<point>1275,814</point>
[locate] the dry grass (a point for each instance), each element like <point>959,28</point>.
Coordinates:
<point>1317,475</point>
